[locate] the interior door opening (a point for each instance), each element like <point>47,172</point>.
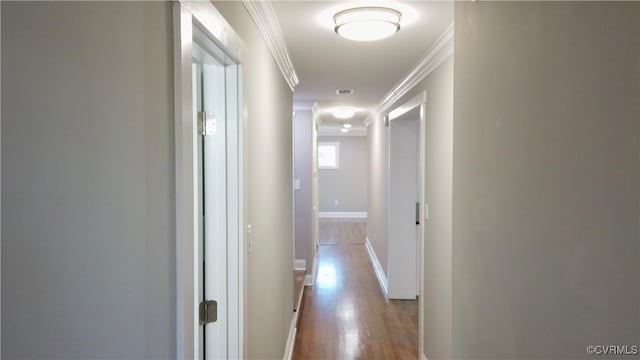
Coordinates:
<point>215,80</point>
<point>404,206</point>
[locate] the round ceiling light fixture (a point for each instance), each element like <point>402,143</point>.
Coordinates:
<point>367,23</point>
<point>344,113</point>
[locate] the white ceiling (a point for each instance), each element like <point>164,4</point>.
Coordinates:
<point>325,61</point>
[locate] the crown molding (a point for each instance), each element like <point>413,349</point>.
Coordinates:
<point>440,51</point>
<point>266,21</point>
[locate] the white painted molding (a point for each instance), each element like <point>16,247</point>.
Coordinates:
<point>299,301</point>
<point>343,214</point>
<point>188,274</point>
<point>291,339</point>
<point>440,51</point>
<point>317,119</point>
<point>0,202</point>
<point>300,264</point>
<point>310,279</point>
<point>268,25</point>
<point>377,268</point>
<point>419,99</point>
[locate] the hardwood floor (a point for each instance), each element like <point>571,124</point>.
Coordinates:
<point>342,231</point>
<point>345,315</point>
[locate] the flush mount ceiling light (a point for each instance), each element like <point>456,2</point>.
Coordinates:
<point>367,23</point>
<point>343,113</point>
<point>346,126</point>
<point>344,130</point>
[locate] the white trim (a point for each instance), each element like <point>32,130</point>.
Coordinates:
<point>299,264</point>
<point>343,214</point>
<point>440,51</point>
<point>291,339</point>
<point>187,342</point>
<point>268,25</point>
<point>377,268</point>
<point>0,195</point>
<point>186,15</point>
<point>310,278</point>
<point>424,357</point>
<point>420,101</point>
<point>218,28</point>
<point>299,301</point>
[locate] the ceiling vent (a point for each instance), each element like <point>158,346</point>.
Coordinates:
<point>344,91</point>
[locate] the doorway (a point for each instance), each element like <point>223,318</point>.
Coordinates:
<point>407,208</point>
<point>209,184</point>
<point>404,206</point>
<point>215,82</point>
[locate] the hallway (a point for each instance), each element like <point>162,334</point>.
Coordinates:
<point>345,315</point>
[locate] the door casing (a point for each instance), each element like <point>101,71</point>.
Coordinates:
<point>420,100</point>
<point>192,19</point>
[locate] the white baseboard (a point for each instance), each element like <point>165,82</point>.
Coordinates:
<point>300,264</point>
<point>343,214</point>
<point>424,357</point>
<point>377,267</point>
<point>310,279</point>
<point>291,340</point>
<point>299,301</point>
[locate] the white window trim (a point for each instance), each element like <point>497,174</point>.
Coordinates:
<point>337,147</point>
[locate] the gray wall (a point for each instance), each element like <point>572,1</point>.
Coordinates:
<point>438,194</point>
<point>303,147</point>
<point>546,178</point>
<point>87,181</point>
<point>438,171</point>
<point>269,147</point>
<point>377,178</point>
<point>348,184</point>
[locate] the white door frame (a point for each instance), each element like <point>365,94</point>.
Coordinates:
<point>186,16</point>
<point>419,100</point>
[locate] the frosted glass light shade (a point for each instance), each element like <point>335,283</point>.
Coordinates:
<point>367,23</point>
<point>343,113</point>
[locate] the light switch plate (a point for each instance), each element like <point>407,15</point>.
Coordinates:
<point>426,211</point>
<point>296,184</point>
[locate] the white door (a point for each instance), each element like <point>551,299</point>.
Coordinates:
<point>216,107</point>
<point>402,206</point>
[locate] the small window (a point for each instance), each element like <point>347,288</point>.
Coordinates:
<point>328,155</point>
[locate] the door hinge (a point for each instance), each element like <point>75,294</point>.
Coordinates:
<point>206,123</point>
<point>208,312</point>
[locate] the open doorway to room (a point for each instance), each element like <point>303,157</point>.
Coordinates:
<point>404,205</point>
<point>209,184</point>
<point>406,208</point>
<point>304,212</point>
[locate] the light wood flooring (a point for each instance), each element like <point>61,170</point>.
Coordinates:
<point>345,315</point>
